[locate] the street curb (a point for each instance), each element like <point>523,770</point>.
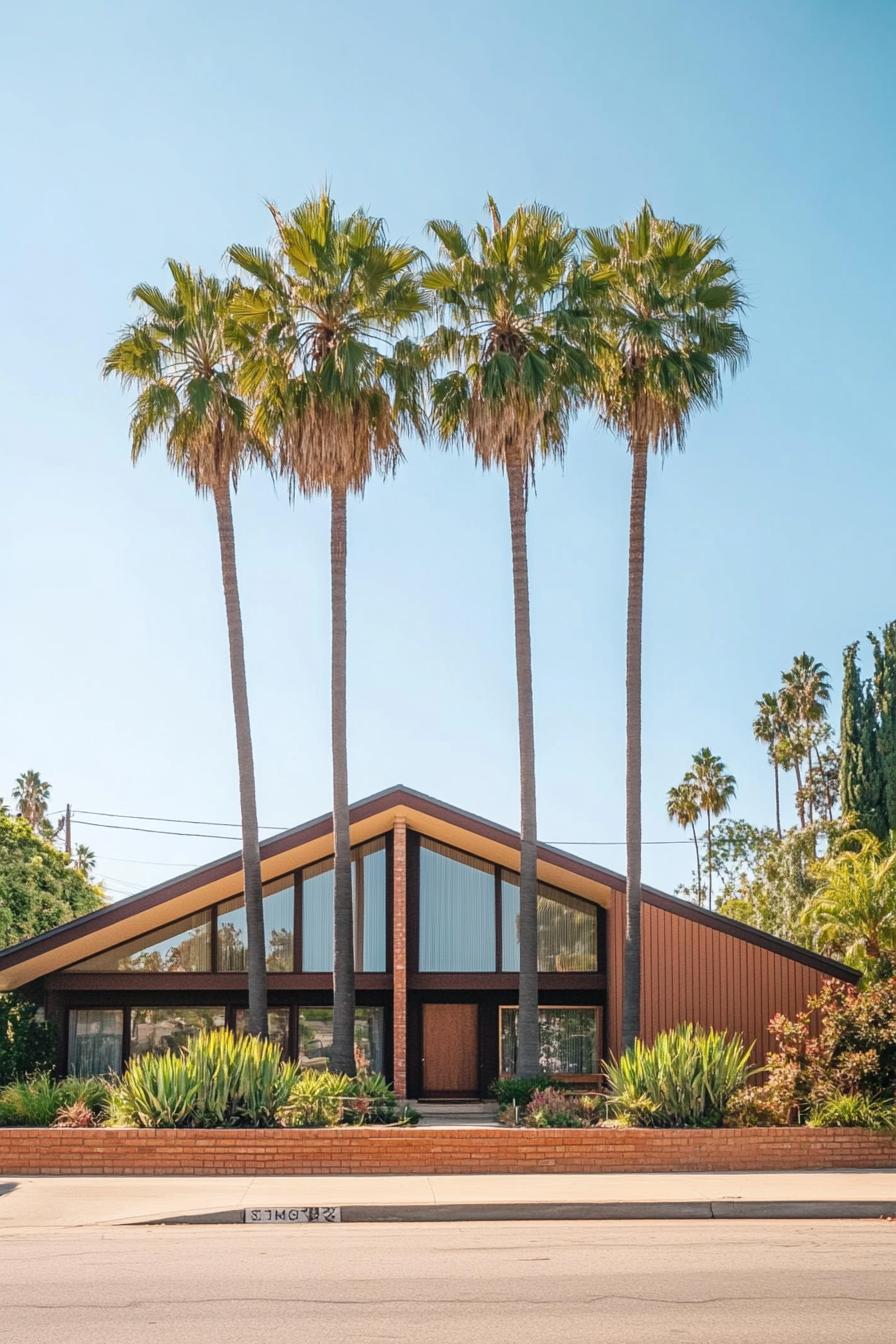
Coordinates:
<point>676,1210</point>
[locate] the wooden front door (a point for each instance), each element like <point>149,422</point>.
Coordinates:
<point>451,1050</point>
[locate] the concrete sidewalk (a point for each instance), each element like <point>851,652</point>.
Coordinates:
<point>97,1201</point>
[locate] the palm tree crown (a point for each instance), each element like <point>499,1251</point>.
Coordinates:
<point>668,313</point>
<point>32,797</point>
<point>181,356</point>
<point>326,303</point>
<point>683,807</point>
<point>510,372</point>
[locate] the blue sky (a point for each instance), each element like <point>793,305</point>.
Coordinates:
<point>138,132</point>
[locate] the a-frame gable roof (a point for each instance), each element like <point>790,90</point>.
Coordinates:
<point>301,845</point>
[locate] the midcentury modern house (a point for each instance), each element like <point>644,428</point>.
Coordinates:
<point>436,955</point>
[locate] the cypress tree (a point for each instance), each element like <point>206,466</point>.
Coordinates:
<point>861,784</point>
<point>885,700</point>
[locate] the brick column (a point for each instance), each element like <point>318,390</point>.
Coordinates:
<point>400,956</point>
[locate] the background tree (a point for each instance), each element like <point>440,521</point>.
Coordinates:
<point>853,916</point>
<point>861,783</point>
<point>671,317</point>
<point>31,795</point>
<point>884,684</point>
<point>768,728</point>
<point>766,881</point>
<point>337,387</point>
<point>714,789</point>
<point>507,377</point>
<point>39,887</point>
<point>683,807</point>
<point>181,357</point>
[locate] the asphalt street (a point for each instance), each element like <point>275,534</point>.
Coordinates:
<point>631,1282</point>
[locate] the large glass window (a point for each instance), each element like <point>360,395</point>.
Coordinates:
<point>568,1040</point>
<point>567,928</point>
<point>278,1025</point>
<point>369,891</point>
<point>159,1029</point>
<point>316,1038</point>
<point>279,918</point>
<point>457,910</point>
<point>95,1041</point>
<point>183,946</point>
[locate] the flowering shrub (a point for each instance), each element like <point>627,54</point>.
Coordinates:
<point>549,1108</point>
<point>842,1044</point>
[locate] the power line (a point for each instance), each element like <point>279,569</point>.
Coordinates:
<point>616,842</point>
<point>179,821</point>
<point>149,830</point>
<point>149,863</point>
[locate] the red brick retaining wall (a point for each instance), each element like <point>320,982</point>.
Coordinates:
<point>330,1152</point>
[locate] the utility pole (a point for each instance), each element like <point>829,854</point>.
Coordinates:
<point>68,828</point>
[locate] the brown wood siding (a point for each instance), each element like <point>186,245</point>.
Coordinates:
<point>693,973</point>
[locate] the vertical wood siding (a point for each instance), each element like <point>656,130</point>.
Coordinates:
<point>692,973</point>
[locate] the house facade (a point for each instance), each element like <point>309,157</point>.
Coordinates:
<point>436,956</point>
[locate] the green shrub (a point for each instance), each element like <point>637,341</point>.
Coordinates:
<point>519,1091</point>
<point>39,1099</point>
<point>369,1100</point>
<point>551,1108</point>
<point>316,1100</point>
<point>26,1045</point>
<point>685,1078</point>
<point>854,1111</point>
<point>218,1080</point>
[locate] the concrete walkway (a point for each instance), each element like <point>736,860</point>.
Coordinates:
<point>96,1201</point>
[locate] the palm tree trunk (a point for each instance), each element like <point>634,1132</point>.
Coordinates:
<point>342,1058</point>
<point>829,802</point>
<point>809,783</point>
<point>799,792</point>
<point>528,1048</point>
<point>255,943</point>
<point>777,799</point>
<point>709,856</point>
<point>697,852</point>
<point>631,963</point>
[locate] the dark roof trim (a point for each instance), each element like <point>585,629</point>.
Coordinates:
<point>402,796</point>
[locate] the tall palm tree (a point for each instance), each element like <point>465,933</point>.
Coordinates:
<point>669,318</point>
<point>804,698</point>
<point>714,789</point>
<point>84,859</point>
<point>853,914</point>
<point>507,378</point>
<point>32,798</point>
<point>180,356</point>
<point>683,807</point>
<point>768,728</point>
<point>337,384</point>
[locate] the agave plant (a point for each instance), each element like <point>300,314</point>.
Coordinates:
<point>218,1080</point>
<point>317,1100</point>
<point>684,1078</point>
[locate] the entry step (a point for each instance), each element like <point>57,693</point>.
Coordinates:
<point>460,1113</point>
